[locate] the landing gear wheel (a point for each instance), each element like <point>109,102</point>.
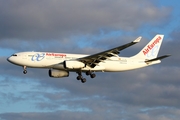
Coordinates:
<point>83,80</point>
<point>88,73</point>
<point>25,71</point>
<point>93,75</point>
<point>79,77</point>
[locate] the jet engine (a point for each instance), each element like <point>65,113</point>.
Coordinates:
<point>58,73</point>
<point>72,64</point>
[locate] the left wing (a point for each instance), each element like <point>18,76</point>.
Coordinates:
<point>93,60</point>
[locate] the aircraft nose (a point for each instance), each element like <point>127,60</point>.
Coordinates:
<point>9,59</point>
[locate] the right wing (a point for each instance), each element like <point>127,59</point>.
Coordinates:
<point>93,60</point>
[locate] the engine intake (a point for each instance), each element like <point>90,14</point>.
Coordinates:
<point>58,73</point>
<point>72,64</point>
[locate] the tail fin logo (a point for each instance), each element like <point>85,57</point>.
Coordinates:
<point>151,46</point>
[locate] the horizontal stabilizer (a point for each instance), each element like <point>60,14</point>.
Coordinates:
<point>158,58</point>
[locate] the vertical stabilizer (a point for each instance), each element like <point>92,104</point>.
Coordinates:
<point>151,50</point>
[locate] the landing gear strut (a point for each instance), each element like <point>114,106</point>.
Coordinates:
<point>92,75</point>
<point>24,70</point>
<point>80,77</point>
<point>83,80</point>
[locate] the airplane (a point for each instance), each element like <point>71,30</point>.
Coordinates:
<point>60,64</point>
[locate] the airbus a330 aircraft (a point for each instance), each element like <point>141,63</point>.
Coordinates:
<point>60,64</point>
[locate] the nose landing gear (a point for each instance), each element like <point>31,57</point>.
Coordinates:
<point>24,70</point>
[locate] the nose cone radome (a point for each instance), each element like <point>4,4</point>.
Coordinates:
<point>9,59</point>
<point>13,60</point>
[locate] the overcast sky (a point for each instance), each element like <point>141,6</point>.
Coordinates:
<point>89,26</point>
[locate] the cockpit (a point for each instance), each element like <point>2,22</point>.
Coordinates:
<point>14,55</point>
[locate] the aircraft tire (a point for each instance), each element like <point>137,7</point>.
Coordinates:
<point>79,77</point>
<point>88,73</point>
<point>83,80</point>
<point>25,71</point>
<point>93,75</point>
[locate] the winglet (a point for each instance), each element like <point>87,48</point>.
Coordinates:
<point>137,40</point>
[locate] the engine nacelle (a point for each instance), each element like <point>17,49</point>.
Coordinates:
<point>72,64</point>
<point>58,73</point>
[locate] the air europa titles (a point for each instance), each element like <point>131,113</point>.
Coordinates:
<point>56,54</point>
<point>151,46</point>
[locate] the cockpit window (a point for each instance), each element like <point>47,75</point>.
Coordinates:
<point>13,55</point>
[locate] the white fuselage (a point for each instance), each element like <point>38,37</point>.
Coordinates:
<point>55,61</point>
<point>60,64</point>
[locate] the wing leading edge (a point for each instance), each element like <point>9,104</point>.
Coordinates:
<point>95,59</point>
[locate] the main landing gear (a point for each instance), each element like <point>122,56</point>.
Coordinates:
<point>24,70</point>
<point>83,80</point>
